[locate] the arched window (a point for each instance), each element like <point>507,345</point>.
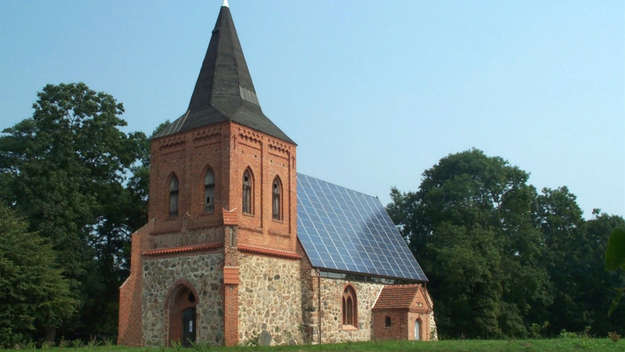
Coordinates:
<point>248,184</point>
<point>173,196</point>
<point>350,307</point>
<point>417,330</point>
<point>209,191</point>
<point>276,199</point>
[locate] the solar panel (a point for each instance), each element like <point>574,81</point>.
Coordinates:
<point>344,230</point>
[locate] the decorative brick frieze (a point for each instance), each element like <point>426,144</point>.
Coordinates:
<point>185,249</point>
<point>269,252</point>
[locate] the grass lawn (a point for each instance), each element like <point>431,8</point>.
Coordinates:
<point>560,345</point>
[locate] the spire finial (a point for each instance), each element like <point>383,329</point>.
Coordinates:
<point>225,4</point>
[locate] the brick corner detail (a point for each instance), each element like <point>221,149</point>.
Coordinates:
<point>231,275</point>
<point>230,217</point>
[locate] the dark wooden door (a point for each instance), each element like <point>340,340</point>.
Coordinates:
<point>188,326</point>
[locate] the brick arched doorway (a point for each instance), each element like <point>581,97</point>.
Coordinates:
<point>182,314</point>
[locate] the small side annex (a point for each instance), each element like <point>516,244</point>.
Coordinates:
<point>404,312</point>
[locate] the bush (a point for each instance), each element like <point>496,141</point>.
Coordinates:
<point>614,336</point>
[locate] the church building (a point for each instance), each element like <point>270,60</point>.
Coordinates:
<point>240,249</point>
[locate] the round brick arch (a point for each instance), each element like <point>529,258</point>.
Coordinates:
<point>178,300</point>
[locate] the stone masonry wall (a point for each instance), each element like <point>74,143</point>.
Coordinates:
<point>205,272</point>
<point>433,328</point>
<point>270,309</point>
<point>332,330</point>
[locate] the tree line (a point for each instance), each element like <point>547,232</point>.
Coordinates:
<point>503,260</point>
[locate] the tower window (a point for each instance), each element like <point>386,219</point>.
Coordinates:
<point>277,199</point>
<point>209,191</point>
<point>350,307</point>
<point>173,196</point>
<point>248,182</point>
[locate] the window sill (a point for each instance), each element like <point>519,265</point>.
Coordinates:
<point>248,215</point>
<point>279,221</point>
<point>349,328</point>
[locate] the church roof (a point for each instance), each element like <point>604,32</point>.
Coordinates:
<point>224,90</point>
<point>347,231</point>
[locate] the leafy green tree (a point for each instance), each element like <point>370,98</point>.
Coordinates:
<point>581,289</point>
<point>602,288</point>
<point>615,260</point>
<point>471,226</point>
<point>66,170</point>
<point>34,295</point>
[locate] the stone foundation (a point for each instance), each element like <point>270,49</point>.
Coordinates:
<point>270,300</point>
<point>205,273</point>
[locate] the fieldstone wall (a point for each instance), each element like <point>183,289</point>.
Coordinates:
<point>205,273</point>
<point>433,328</point>
<point>332,330</point>
<point>270,300</point>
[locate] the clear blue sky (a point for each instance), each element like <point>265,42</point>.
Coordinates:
<point>373,92</point>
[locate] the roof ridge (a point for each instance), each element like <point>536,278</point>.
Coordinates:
<point>403,285</point>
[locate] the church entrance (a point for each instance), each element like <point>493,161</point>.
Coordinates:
<point>188,326</point>
<point>182,316</point>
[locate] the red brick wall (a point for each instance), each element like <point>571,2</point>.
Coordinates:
<point>399,324</point>
<point>188,156</point>
<point>267,157</point>
<point>130,330</point>
<point>231,286</point>
<point>424,322</point>
<point>228,149</point>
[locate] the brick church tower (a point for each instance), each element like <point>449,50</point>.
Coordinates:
<point>222,205</point>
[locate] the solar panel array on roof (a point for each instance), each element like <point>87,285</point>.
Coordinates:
<point>344,230</point>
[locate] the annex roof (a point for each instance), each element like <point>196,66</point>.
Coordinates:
<point>396,297</point>
<point>224,90</point>
<point>344,230</point>
<point>404,297</point>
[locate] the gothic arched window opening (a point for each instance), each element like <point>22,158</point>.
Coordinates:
<point>248,183</point>
<point>276,199</point>
<point>350,307</point>
<point>209,191</point>
<point>173,196</point>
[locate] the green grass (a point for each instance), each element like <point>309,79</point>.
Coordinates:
<point>559,345</point>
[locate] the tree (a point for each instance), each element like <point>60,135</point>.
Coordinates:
<point>615,260</point>
<point>581,289</point>
<point>66,171</point>
<point>34,295</point>
<point>471,226</point>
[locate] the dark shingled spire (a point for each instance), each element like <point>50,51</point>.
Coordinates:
<point>224,90</point>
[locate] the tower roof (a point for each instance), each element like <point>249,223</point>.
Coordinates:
<point>224,90</point>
